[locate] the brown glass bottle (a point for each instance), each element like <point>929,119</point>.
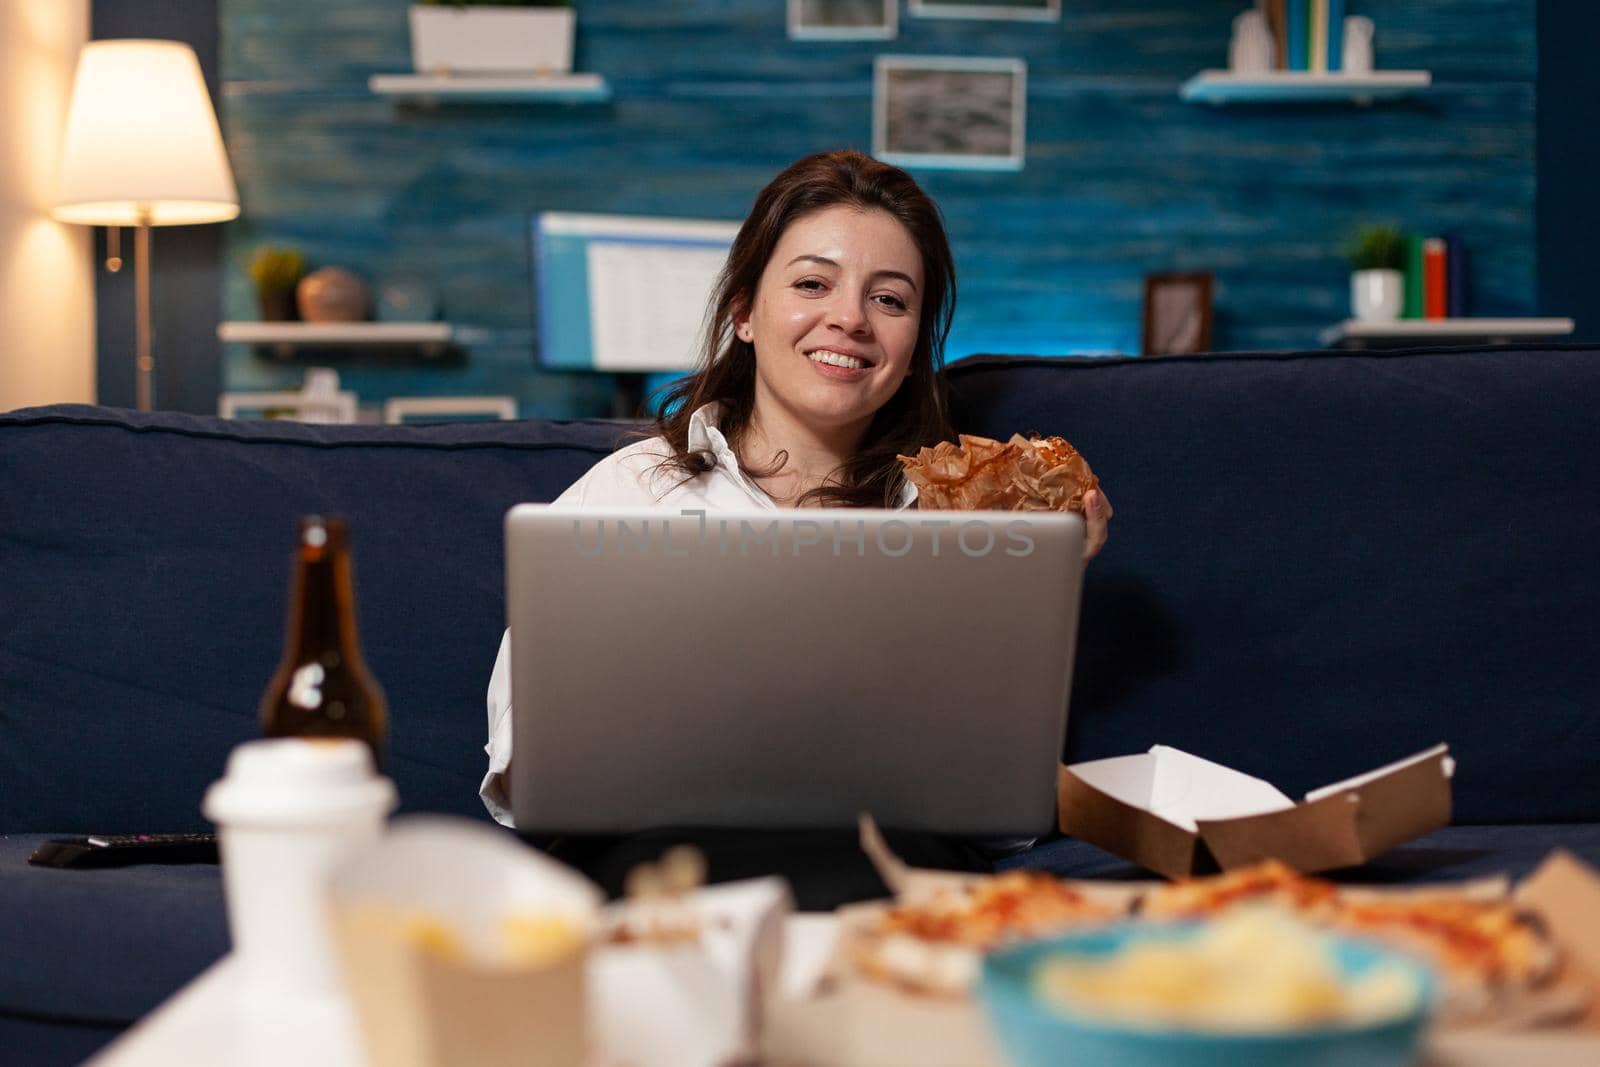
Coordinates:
<point>323,688</point>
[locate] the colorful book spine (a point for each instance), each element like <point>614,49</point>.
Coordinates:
<point>1435,285</point>
<point>1413,304</point>
<point>1335,35</point>
<point>1318,48</point>
<point>1455,254</point>
<point>1277,23</point>
<point>1296,15</point>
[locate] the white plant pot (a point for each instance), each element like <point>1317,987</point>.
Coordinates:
<point>491,40</point>
<point>1377,295</point>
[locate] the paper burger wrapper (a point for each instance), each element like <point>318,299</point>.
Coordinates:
<point>462,947</point>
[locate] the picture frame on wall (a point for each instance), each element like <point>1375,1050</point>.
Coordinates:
<point>951,112</point>
<point>844,20</point>
<point>1177,314</point>
<point>1016,10</point>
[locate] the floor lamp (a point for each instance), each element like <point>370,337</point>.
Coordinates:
<point>142,149</point>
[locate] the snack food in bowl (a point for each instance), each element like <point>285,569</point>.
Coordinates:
<point>1495,960</point>
<point>1257,987</point>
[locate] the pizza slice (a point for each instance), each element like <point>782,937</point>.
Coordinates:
<point>935,945</point>
<point>1269,882</point>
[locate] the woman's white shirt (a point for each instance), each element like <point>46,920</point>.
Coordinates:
<point>628,478</point>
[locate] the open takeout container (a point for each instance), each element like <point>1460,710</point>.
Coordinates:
<point>694,1001</point>
<point>438,927</point>
<point>1177,814</point>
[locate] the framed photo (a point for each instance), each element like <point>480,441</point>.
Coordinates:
<point>955,112</point>
<point>1177,314</point>
<point>843,20</point>
<point>1023,10</point>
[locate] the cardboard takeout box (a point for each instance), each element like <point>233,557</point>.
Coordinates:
<point>1175,813</point>
<point>425,922</point>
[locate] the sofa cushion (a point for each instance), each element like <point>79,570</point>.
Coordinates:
<point>1452,854</point>
<point>144,573</point>
<point>1321,562</point>
<point>102,946</point>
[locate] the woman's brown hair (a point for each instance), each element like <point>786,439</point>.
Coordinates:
<point>916,415</point>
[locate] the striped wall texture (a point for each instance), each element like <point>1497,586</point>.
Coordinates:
<point>712,98</point>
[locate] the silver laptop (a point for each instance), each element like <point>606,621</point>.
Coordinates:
<point>789,669</point>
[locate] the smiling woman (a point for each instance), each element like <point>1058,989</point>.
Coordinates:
<point>826,336</point>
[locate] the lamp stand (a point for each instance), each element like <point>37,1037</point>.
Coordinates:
<point>144,363</point>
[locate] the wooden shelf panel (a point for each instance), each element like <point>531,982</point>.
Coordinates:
<point>327,334</point>
<point>1295,86</point>
<point>554,88</point>
<point>1425,329</point>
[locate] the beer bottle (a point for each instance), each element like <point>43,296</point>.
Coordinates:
<point>323,688</point>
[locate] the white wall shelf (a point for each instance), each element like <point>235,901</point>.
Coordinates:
<point>431,338</point>
<point>502,89</point>
<point>1354,333</point>
<point>1296,86</point>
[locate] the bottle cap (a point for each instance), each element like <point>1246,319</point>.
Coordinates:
<point>298,781</point>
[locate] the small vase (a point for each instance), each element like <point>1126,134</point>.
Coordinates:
<point>277,306</point>
<point>1377,295</point>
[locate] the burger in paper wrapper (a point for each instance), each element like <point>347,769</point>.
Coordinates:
<point>982,474</point>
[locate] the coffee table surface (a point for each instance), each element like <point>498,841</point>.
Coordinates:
<point>210,1021</point>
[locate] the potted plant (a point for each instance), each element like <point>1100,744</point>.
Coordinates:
<point>492,36</point>
<point>1377,256</point>
<point>276,272</point>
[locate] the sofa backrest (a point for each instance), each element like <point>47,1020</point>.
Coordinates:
<point>144,570</point>
<point>1320,562</point>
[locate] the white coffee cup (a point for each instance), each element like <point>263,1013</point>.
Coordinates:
<point>287,810</point>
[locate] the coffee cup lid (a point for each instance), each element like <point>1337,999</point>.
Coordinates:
<point>298,780</point>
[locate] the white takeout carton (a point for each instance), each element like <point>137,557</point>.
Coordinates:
<point>695,1003</point>
<point>1175,813</point>
<point>422,1001</point>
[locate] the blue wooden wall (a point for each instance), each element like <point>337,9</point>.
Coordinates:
<point>712,98</point>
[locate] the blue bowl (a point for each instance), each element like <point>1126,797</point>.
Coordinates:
<point>1035,1034</point>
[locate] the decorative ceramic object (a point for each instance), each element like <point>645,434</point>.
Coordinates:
<point>332,294</point>
<point>1377,295</point>
<point>406,298</point>
<point>1358,31</point>
<point>488,39</point>
<point>1252,49</point>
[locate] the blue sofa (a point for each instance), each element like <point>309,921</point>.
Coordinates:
<point>1320,562</point>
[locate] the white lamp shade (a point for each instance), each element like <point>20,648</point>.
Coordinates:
<point>142,141</point>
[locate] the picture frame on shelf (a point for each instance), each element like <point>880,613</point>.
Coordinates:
<point>951,112</point>
<point>844,20</point>
<point>1177,314</point>
<point>1013,10</point>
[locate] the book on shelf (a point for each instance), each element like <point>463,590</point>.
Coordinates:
<point>1435,292</point>
<point>1299,17</point>
<point>1436,277</point>
<point>1455,271</point>
<point>1309,34</point>
<point>1336,35</point>
<point>1317,49</point>
<point>1276,14</point>
<point>1413,303</point>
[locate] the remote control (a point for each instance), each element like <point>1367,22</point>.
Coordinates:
<point>121,850</point>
